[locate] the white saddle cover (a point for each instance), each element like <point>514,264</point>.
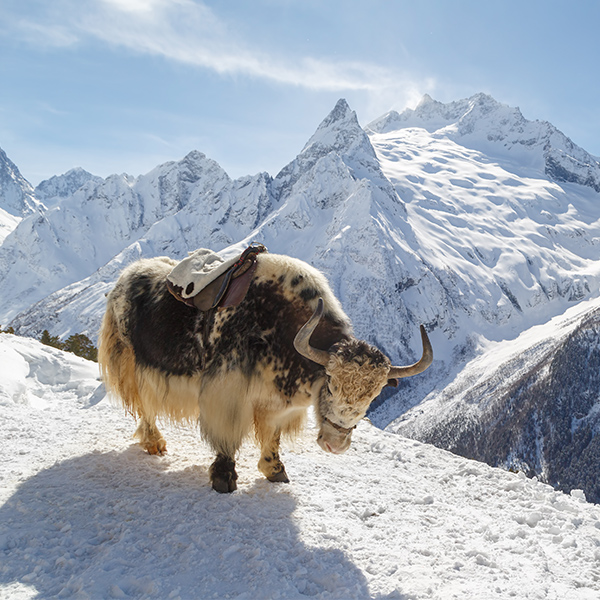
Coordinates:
<point>202,267</point>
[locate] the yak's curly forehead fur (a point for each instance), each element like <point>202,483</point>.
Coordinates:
<point>357,371</point>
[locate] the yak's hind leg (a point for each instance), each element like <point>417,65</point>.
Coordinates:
<point>150,437</point>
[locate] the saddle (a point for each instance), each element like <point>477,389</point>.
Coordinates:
<point>223,286</point>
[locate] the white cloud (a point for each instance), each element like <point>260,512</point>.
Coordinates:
<point>190,32</point>
<point>135,6</point>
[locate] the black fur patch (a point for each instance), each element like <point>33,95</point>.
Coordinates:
<point>308,294</point>
<point>261,331</point>
<point>163,330</point>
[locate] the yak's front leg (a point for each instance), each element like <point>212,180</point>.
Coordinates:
<point>222,474</point>
<point>270,464</point>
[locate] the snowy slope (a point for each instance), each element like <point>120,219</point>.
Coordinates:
<point>86,513</point>
<point>481,123</point>
<point>8,222</point>
<point>500,245</point>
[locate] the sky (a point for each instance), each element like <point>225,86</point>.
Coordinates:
<point>119,86</point>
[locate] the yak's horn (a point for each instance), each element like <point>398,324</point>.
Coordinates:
<point>418,367</point>
<point>302,339</point>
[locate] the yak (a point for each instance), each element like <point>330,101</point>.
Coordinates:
<point>254,366</point>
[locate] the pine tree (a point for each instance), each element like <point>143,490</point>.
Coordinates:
<point>51,340</point>
<point>81,345</point>
<point>78,344</point>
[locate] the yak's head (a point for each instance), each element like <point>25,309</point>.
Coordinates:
<point>356,374</point>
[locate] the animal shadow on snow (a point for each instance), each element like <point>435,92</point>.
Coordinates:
<point>119,524</point>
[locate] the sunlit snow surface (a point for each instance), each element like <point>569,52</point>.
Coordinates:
<point>85,513</point>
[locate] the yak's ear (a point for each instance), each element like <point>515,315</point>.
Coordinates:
<point>392,383</point>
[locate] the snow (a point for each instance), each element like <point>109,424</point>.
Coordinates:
<point>85,513</point>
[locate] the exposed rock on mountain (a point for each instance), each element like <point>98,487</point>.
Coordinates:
<point>16,193</point>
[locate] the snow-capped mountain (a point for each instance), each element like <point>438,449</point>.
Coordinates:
<point>483,124</point>
<point>451,215</point>
<point>94,516</point>
<point>71,240</point>
<point>53,190</point>
<point>16,196</point>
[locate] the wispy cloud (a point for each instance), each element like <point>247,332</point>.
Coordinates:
<point>190,32</point>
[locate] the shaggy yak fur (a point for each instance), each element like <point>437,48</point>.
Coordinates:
<point>236,370</point>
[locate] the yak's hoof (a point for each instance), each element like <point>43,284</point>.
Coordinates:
<point>223,475</point>
<point>157,447</point>
<point>280,476</point>
<point>224,486</point>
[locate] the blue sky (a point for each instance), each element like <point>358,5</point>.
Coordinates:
<point>123,85</point>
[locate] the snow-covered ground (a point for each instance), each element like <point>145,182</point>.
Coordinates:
<point>85,513</point>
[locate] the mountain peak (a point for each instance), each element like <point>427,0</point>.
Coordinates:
<point>50,191</point>
<point>426,100</point>
<point>16,193</point>
<point>341,112</point>
<point>194,156</point>
<point>339,133</point>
